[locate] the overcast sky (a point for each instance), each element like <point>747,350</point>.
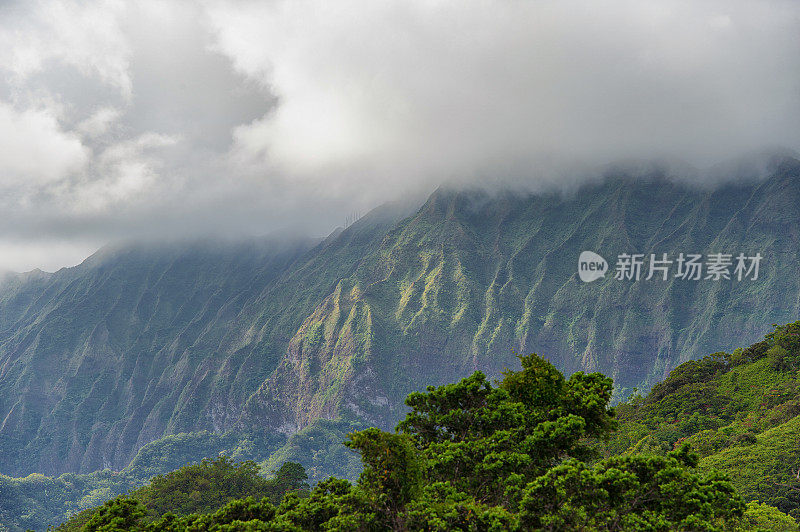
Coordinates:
<point>148,119</point>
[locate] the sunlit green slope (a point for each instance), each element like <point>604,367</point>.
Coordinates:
<point>739,411</point>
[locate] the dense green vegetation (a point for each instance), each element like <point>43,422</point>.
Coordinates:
<point>195,489</point>
<point>319,448</point>
<point>171,452</point>
<point>739,411</point>
<point>518,454</point>
<point>37,501</point>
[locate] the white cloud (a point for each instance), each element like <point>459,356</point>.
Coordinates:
<point>141,119</point>
<point>83,35</point>
<point>99,122</point>
<point>405,91</point>
<point>35,150</point>
<point>122,172</point>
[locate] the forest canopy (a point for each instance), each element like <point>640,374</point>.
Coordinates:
<point>520,453</point>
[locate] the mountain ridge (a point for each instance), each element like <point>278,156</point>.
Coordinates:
<point>139,343</point>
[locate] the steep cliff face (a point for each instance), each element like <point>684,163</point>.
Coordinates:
<point>472,277</point>
<point>98,360</point>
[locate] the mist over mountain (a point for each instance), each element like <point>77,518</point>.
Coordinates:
<point>142,341</point>
<point>195,119</point>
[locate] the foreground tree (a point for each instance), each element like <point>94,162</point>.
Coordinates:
<point>630,493</point>
<point>517,454</point>
<point>520,453</point>
<point>490,442</point>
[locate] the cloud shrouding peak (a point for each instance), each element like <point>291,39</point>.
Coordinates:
<point>434,89</point>
<point>167,118</point>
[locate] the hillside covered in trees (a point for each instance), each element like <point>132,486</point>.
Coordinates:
<point>739,412</point>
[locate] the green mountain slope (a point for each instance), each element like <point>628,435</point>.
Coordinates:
<point>739,411</point>
<point>105,357</point>
<point>141,342</point>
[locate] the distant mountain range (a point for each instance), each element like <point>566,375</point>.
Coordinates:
<point>141,341</point>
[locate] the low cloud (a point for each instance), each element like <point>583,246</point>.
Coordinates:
<point>35,150</point>
<point>87,36</point>
<point>413,91</point>
<point>150,119</point>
